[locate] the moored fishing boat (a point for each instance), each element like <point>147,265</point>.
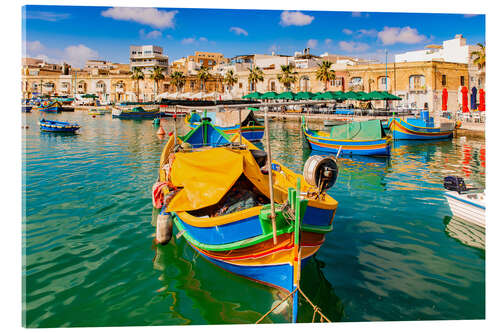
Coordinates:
<point>229,123</point>
<point>215,189</point>
<point>58,126</point>
<point>96,112</point>
<point>51,107</point>
<point>465,203</point>
<point>356,138</point>
<point>421,128</point>
<point>135,113</point>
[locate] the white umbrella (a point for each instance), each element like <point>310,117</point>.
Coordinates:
<point>227,96</point>
<point>186,95</point>
<point>164,95</point>
<point>197,95</point>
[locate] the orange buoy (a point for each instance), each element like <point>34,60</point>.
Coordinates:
<point>160,131</point>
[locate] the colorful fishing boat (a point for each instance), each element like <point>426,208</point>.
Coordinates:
<point>58,126</point>
<point>214,188</point>
<point>355,138</point>
<point>229,123</point>
<point>421,128</point>
<point>135,113</point>
<point>52,107</point>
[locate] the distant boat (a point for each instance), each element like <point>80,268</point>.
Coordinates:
<point>356,138</point>
<point>328,122</point>
<point>136,113</point>
<point>58,126</point>
<point>228,122</point>
<point>52,107</point>
<point>465,204</point>
<point>26,108</point>
<point>419,128</point>
<point>96,112</point>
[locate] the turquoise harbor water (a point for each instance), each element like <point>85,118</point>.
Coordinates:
<point>89,257</point>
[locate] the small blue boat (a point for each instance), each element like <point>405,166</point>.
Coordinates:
<point>58,126</point>
<point>137,113</point>
<point>419,128</point>
<point>357,138</point>
<point>52,107</point>
<point>228,122</point>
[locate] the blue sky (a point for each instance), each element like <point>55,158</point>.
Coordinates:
<point>75,34</point>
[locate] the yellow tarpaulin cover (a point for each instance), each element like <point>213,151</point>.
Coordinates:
<point>205,177</point>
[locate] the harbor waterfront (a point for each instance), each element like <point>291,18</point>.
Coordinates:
<point>90,259</point>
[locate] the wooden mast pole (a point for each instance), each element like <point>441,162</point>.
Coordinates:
<point>270,173</point>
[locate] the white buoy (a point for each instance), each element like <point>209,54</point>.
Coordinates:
<point>163,229</point>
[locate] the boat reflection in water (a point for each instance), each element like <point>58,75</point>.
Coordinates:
<point>217,296</point>
<point>467,233</point>
<point>361,172</point>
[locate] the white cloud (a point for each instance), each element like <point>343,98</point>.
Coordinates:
<point>366,32</point>
<point>46,16</point>
<point>150,35</point>
<point>149,16</point>
<point>347,31</point>
<point>312,43</point>
<point>328,42</point>
<point>190,40</point>
<point>203,39</point>
<point>295,18</point>
<point>34,47</point>
<point>77,55</point>
<point>238,31</point>
<point>406,35</point>
<point>353,46</point>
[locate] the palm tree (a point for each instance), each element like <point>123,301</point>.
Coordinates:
<point>203,75</point>
<point>324,73</point>
<point>156,76</point>
<point>137,75</point>
<point>256,75</point>
<point>479,56</point>
<point>287,77</point>
<point>230,79</point>
<point>178,79</point>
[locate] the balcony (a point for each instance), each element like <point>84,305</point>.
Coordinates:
<point>100,89</point>
<point>119,90</point>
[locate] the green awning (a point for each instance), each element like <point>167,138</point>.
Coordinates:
<point>390,96</point>
<point>362,96</point>
<point>254,95</point>
<point>304,95</point>
<point>351,95</point>
<point>286,95</point>
<point>377,96</point>
<point>269,95</point>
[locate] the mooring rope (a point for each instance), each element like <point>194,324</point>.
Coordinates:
<point>315,307</point>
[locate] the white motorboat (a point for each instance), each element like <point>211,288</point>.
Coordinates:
<point>465,203</point>
<point>467,206</point>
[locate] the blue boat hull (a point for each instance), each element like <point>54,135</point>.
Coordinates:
<point>139,115</point>
<point>402,130</point>
<point>58,127</point>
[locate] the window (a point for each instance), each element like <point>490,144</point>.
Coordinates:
<point>417,82</point>
<point>356,81</point>
<point>273,86</point>
<point>443,80</point>
<point>338,82</point>
<point>191,85</point>
<point>240,85</point>
<point>462,80</point>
